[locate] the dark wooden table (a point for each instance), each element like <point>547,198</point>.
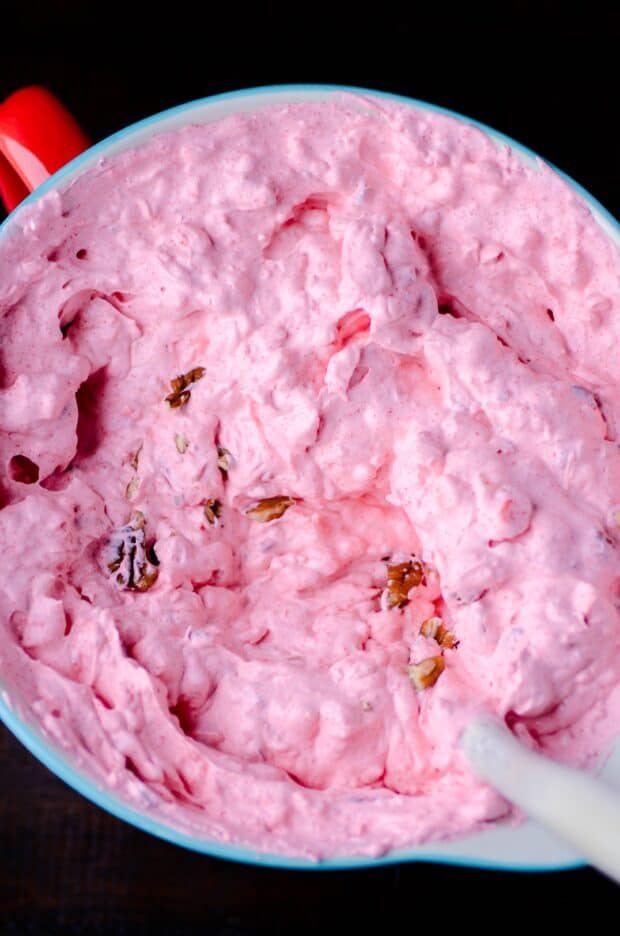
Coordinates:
<point>66,867</point>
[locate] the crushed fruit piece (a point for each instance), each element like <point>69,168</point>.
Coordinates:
<point>353,323</point>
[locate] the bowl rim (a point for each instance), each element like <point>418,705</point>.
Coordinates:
<point>32,737</point>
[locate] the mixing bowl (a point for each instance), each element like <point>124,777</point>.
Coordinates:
<point>525,847</point>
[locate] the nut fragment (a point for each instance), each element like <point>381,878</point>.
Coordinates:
<point>129,559</point>
<point>270,508</point>
<point>223,460</point>
<point>146,580</point>
<point>132,487</point>
<point>448,640</point>
<point>366,706</point>
<point>136,458</point>
<point>434,627</point>
<point>181,443</point>
<point>617,517</point>
<point>137,520</point>
<point>402,577</point>
<point>180,393</point>
<point>212,510</point>
<point>152,556</point>
<point>176,400</point>
<point>426,673</point>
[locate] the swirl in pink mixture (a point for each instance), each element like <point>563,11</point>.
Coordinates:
<point>410,337</point>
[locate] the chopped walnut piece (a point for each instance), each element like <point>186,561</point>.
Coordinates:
<point>146,580</point>
<point>366,706</point>
<point>152,556</point>
<point>181,443</point>
<point>177,400</point>
<point>270,508</point>
<point>223,460</point>
<point>435,628</point>
<point>132,487</point>
<point>426,673</point>
<point>402,577</point>
<point>129,559</point>
<point>180,393</point>
<point>448,640</point>
<point>212,510</point>
<point>430,627</point>
<point>136,458</point>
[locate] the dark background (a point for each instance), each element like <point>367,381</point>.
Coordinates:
<point>541,73</point>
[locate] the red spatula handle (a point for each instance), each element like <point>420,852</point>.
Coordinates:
<point>38,135</point>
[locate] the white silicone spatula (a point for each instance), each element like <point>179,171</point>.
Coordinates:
<point>575,805</point>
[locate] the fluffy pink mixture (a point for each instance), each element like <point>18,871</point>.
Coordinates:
<point>399,352</point>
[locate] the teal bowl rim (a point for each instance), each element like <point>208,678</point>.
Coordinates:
<point>48,755</point>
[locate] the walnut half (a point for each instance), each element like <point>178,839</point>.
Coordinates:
<point>129,560</point>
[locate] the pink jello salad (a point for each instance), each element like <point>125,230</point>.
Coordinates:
<point>309,435</point>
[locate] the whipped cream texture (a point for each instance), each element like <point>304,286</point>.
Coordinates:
<point>277,392</point>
